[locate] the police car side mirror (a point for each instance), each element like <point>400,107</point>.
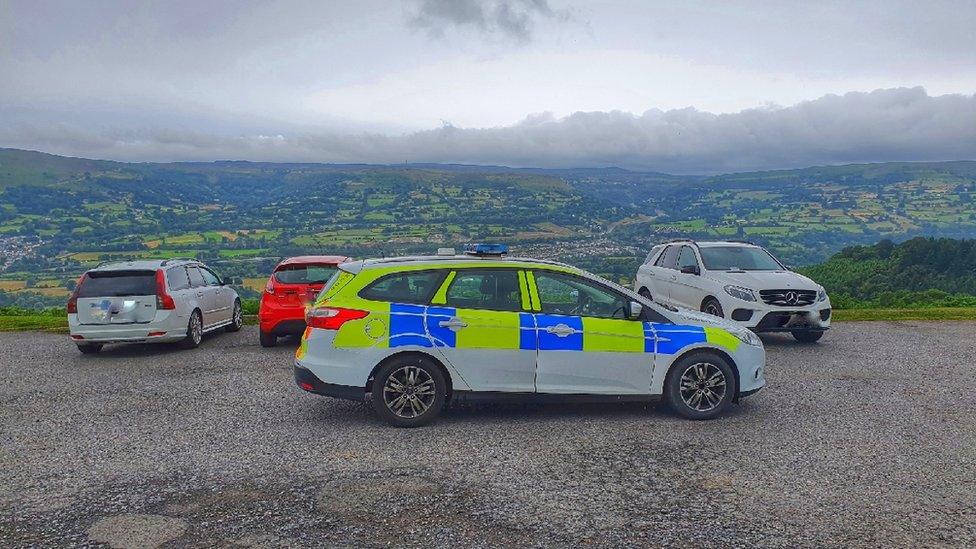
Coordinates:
<point>635,310</point>
<point>691,270</point>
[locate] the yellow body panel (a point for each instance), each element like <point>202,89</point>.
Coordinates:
<point>613,335</point>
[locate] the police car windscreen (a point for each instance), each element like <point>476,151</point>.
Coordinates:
<point>118,283</point>
<point>726,258</point>
<point>305,274</point>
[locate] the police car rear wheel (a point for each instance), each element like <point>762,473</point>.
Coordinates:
<point>409,392</point>
<point>700,386</point>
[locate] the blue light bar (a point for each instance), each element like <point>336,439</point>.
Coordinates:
<point>486,249</point>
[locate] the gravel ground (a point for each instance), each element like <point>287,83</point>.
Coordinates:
<point>867,438</point>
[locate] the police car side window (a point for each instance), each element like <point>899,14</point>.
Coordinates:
<point>497,290</point>
<point>563,294</point>
<point>407,287</point>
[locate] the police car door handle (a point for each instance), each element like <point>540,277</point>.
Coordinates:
<point>560,330</point>
<point>453,324</point>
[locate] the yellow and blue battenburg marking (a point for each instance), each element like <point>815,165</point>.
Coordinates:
<point>420,326</point>
<point>407,326</point>
<point>671,338</point>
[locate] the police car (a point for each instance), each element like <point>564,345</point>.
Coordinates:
<point>411,334</point>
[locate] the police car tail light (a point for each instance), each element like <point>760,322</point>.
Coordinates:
<point>332,318</point>
<point>73,300</point>
<point>163,299</point>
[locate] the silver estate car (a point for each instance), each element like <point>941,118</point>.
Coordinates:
<point>150,301</point>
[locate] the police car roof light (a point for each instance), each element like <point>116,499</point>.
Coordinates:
<point>486,249</point>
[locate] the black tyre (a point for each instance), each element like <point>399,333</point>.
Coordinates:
<point>194,331</point>
<point>237,317</point>
<point>89,348</point>
<point>711,306</point>
<point>644,292</point>
<point>267,340</point>
<point>409,392</point>
<point>700,385</point>
<point>807,336</point>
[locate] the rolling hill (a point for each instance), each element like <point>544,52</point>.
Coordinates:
<point>59,215</point>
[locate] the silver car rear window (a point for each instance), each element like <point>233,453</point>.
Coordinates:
<point>118,283</point>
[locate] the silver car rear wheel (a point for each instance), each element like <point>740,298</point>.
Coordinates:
<point>194,331</point>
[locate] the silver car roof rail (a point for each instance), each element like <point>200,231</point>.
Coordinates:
<point>175,259</point>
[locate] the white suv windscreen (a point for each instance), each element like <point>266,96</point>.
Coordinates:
<point>729,258</point>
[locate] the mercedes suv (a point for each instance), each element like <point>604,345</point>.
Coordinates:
<point>150,301</point>
<point>739,281</point>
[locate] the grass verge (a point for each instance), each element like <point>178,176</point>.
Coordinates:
<point>59,324</point>
<point>54,324</point>
<point>929,313</point>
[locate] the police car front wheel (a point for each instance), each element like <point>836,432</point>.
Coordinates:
<point>409,392</point>
<point>700,386</point>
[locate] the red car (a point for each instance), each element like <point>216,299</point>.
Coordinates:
<point>292,287</point>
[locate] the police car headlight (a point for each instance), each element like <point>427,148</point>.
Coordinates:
<point>745,335</point>
<point>822,295</point>
<point>738,292</point>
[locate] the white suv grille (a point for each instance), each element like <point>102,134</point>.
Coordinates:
<point>788,298</point>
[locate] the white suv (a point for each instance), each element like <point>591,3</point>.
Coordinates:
<point>150,301</point>
<point>735,280</point>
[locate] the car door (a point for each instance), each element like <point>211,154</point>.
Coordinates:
<point>205,297</point>
<point>475,319</point>
<point>223,297</point>
<point>686,288</point>
<point>586,344</point>
<point>647,273</point>
<point>664,271</point>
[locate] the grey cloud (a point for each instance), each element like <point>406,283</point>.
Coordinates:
<point>903,124</point>
<point>511,18</point>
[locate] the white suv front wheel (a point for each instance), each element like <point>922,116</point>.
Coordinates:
<point>711,306</point>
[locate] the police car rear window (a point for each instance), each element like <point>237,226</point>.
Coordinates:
<point>118,283</point>
<point>408,287</point>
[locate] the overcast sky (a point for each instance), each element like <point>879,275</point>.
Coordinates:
<point>685,86</point>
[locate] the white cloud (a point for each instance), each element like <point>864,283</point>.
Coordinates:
<point>903,124</point>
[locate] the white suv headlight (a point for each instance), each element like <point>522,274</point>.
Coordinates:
<point>745,335</point>
<point>822,295</point>
<point>738,292</point>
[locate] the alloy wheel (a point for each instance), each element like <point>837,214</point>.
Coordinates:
<point>703,386</point>
<point>238,316</point>
<point>409,392</point>
<point>196,329</point>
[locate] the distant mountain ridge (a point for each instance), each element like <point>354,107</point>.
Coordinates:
<point>82,210</point>
<point>869,171</point>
